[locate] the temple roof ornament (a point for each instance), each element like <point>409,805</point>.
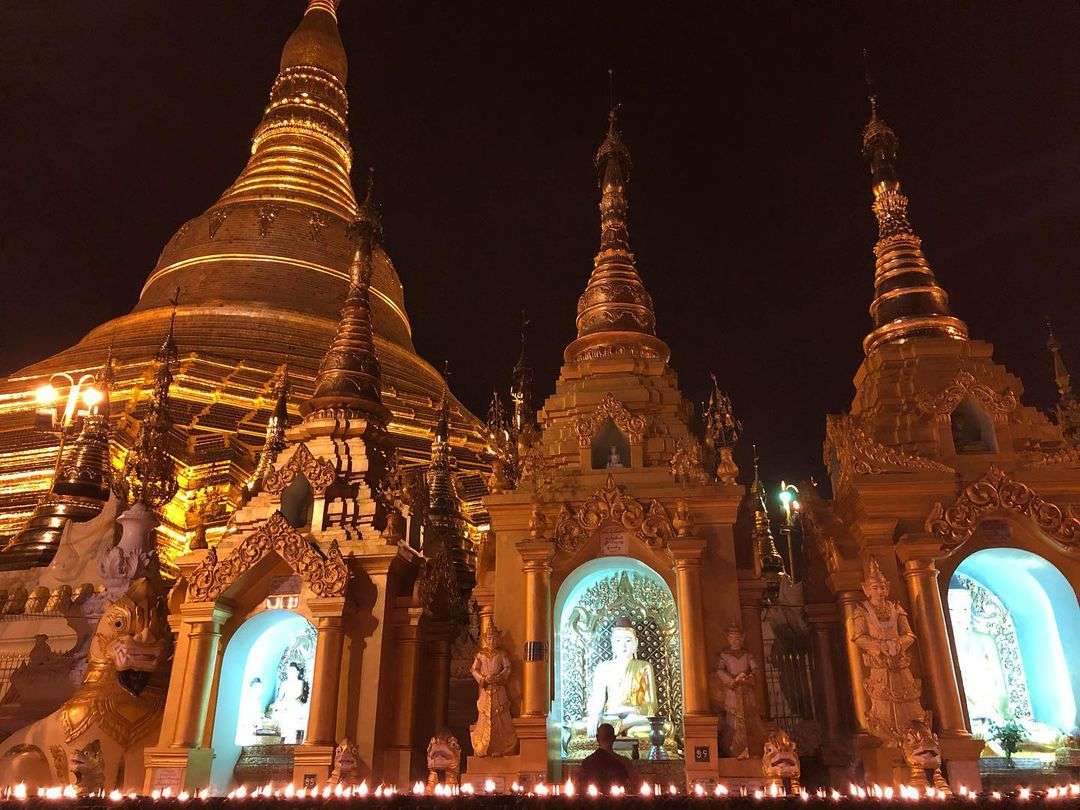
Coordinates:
<point>615,316</point>
<point>996,491</point>
<point>1068,407</point>
<point>908,302</point>
<point>766,554</point>
<point>609,407</point>
<point>275,430</point>
<point>521,382</point>
<point>319,472</point>
<point>348,378</point>
<point>612,504</point>
<point>964,385</point>
<point>326,574</point>
<point>149,475</point>
<point>442,496</point>
<point>851,451</point>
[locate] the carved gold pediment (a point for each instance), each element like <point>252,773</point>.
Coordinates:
<point>965,384</point>
<point>326,574</point>
<point>649,524</point>
<point>587,426</point>
<point>997,491</point>
<point>319,472</point>
<point>850,451</point>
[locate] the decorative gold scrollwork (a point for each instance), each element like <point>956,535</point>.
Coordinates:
<point>851,451</point>
<point>651,525</point>
<point>633,427</point>
<point>965,384</point>
<point>326,574</point>
<point>319,472</point>
<point>994,491</point>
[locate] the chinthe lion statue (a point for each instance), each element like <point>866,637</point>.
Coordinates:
<point>95,740</point>
<point>780,761</point>
<point>922,752</point>
<point>444,755</point>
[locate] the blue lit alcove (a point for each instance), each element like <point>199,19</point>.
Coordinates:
<point>588,603</point>
<point>248,683</point>
<point>1016,624</point>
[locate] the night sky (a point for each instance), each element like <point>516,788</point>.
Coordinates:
<point>749,200</point>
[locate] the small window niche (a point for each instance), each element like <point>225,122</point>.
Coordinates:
<point>610,448</point>
<point>972,429</point>
<point>298,503</point>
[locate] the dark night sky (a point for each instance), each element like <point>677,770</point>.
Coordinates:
<point>749,201</point>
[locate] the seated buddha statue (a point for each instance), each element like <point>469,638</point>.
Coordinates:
<point>622,693</point>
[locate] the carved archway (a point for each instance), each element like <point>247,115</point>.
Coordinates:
<point>651,525</point>
<point>996,491</point>
<point>609,407</point>
<point>964,385</point>
<point>325,573</point>
<point>319,472</point>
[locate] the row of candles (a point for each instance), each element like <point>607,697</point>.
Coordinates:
<point>567,790</point>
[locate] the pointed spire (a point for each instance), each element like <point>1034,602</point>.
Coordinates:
<point>615,315</point>
<point>521,382</point>
<point>300,151</point>
<point>1068,407</point>
<point>770,563</point>
<point>443,500</point>
<point>275,430</point>
<point>149,475</point>
<point>908,302</point>
<point>348,377</point>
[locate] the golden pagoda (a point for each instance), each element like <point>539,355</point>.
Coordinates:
<point>260,277</point>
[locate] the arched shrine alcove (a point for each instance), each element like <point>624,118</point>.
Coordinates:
<point>263,697</point>
<point>616,643</point>
<point>972,429</point>
<point>610,448</point>
<point>1016,628</point>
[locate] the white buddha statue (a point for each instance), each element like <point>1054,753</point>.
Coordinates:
<point>614,461</point>
<point>289,710</point>
<point>987,695</point>
<point>623,690</point>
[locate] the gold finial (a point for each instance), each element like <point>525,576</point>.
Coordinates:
<point>1061,374</point>
<point>615,314</point>
<point>329,6</point>
<point>349,374</point>
<point>908,302</point>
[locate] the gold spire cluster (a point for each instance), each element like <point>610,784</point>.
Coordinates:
<point>615,316</point>
<point>300,151</point>
<point>149,475</point>
<point>908,302</point>
<point>275,431</point>
<point>766,554</point>
<point>348,377</point>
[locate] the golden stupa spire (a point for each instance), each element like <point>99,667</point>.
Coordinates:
<point>615,315</point>
<point>766,554</point>
<point>348,377</point>
<point>908,302</point>
<point>275,430</point>
<point>300,151</point>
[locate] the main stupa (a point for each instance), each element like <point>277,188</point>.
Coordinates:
<point>261,275</point>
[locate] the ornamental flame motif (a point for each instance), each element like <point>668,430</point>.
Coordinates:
<point>326,574</point>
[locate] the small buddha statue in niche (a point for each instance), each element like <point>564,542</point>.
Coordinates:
<point>614,460</point>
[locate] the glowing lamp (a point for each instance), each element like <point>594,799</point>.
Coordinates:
<point>46,394</point>
<point>785,497</point>
<point>92,396</point>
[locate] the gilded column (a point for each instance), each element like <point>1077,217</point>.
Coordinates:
<point>928,615</point>
<point>535,697</point>
<point>686,553</point>
<point>848,599</point>
<point>322,722</point>
<point>204,636</point>
<point>407,643</point>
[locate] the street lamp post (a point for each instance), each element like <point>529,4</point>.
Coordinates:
<point>789,499</point>
<point>57,413</point>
